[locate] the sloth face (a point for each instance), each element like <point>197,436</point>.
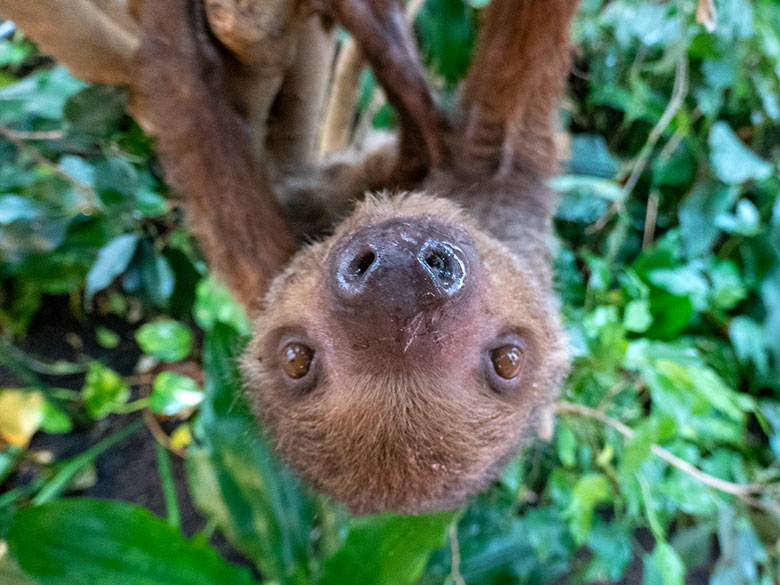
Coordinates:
<point>398,364</point>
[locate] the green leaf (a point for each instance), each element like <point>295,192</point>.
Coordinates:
<point>637,316</point>
<point>55,420</point>
<point>237,482</point>
<point>113,259</point>
<point>214,304</point>
<point>731,160</point>
<point>103,390</point>
<point>96,111</point>
<point>611,546</point>
<point>77,541</point>
<point>567,445</point>
<point>173,393</point>
<point>747,337</point>
<point>387,549</point>
<point>697,214</point>
<point>746,221</point>
<point>13,208</point>
<point>150,203</point>
<point>107,338</point>
<point>664,566</point>
<point>166,339</point>
<point>590,156</point>
<point>589,491</point>
<point>42,94</point>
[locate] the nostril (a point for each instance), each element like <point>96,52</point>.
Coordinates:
<point>440,266</point>
<point>445,263</point>
<point>362,263</point>
<point>355,265</point>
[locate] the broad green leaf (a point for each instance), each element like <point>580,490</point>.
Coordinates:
<point>150,203</point>
<point>173,393</point>
<point>585,199</point>
<point>78,169</point>
<point>156,275</point>
<point>446,34</point>
<point>637,316</point>
<point>546,529</point>
<point>96,111</point>
<point>14,208</point>
<point>589,491</point>
<point>237,482</point>
<point>97,542</point>
<point>54,419</point>
<point>43,94</point>
<point>728,288</point>
<point>731,160</point>
<point>214,304</point>
<point>697,214</point>
<point>746,221</point>
<point>107,338</point>
<point>611,547</point>
<point>567,445</point>
<point>664,566</point>
<point>103,390</point>
<point>42,235</point>
<point>682,281</point>
<point>386,549</point>
<point>747,337</point>
<point>671,314</point>
<point>9,457</point>
<point>167,339</point>
<point>590,156</point>
<point>113,259</point>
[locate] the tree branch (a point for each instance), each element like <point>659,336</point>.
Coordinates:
<point>95,39</point>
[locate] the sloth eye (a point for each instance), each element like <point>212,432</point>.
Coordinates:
<point>296,360</point>
<point>507,361</point>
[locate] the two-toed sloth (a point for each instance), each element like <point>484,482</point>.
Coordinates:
<point>399,362</point>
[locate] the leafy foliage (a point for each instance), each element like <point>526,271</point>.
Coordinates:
<point>665,454</point>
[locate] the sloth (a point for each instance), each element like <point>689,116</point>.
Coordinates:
<point>399,362</point>
<point>403,357</point>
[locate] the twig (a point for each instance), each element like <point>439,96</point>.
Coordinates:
<point>344,91</point>
<point>159,434</point>
<point>744,491</point>
<point>679,92</point>
<point>650,217</point>
<point>455,575</point>
<point>42,135</point>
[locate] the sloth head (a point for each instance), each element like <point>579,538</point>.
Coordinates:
<point>398,364</point>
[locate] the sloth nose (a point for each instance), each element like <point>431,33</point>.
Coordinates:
<point>401,267</point>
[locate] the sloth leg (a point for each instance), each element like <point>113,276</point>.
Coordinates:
<point>512,88</point>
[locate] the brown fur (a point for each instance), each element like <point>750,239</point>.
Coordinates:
<point>398,413</point>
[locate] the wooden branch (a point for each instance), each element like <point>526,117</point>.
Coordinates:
<point>342,100</point>
<point>95,39</point>
<point>293,129</point>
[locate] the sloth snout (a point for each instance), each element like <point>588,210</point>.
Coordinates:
<point>401,267</point>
